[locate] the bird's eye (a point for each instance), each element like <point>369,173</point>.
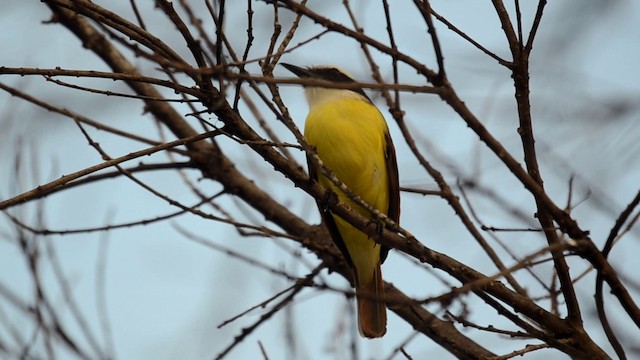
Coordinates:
<point>336,75</point>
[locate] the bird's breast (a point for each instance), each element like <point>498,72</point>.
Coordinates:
<point>349,137</point>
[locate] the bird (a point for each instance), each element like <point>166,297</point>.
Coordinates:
<point>351,138</point>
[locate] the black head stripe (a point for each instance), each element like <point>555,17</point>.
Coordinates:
<point>335,75</point>
<point>332,74</point>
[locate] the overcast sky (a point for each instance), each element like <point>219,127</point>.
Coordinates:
<point>166,294</point>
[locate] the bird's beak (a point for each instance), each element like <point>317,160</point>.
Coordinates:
<point>300,72</point>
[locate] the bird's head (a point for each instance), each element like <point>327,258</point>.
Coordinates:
<point>317,95</point>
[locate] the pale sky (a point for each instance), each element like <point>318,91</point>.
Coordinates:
<point>166,294</point>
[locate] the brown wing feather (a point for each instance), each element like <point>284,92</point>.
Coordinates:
<point>327,218</point>
<point>394,188</point>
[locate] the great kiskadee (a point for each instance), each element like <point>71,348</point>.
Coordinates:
<point>351,138</point>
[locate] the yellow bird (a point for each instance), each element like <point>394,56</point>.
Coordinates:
<point>351,138</point>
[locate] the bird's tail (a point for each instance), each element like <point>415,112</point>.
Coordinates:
<point>372,312</point>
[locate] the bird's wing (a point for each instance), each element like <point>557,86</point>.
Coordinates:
<point>394,187</point>
<point>327,218</point>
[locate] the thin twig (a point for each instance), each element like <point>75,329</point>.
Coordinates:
<point>425,9</point>
<point>104,75</point>
<point>46,189</point>
<point>300,284</point>
<point>602,315</point>
<point>473,42</point>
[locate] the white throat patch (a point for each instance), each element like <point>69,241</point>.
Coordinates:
<point>317,96</point>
